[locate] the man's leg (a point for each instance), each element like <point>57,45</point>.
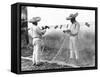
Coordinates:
<point>37,59</point>
<point>38,52</point>
<point>71,48</point>
<point>75,48</point>
<point>33,57</point>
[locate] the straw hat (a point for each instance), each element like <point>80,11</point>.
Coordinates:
<point>72,16</point>
<point>35,19</point>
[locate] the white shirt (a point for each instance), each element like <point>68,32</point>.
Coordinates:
<point>35,31</point>
<point>75,28</point>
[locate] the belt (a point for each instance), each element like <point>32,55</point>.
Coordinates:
<point>36,37</point>
<point>74,34</point>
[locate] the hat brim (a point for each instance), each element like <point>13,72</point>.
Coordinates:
<point>69,18</point>
<point>73,16</point>
<point>36,19</point>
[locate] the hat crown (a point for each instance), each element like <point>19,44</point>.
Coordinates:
<point>71,15</point>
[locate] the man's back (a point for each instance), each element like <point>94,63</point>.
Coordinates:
<point>35,31</point>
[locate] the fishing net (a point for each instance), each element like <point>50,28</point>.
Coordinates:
<point>56,48</point>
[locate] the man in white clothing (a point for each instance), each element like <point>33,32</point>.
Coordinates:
<point>36,32</point>
<point>73,32</point>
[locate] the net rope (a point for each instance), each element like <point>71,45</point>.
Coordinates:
<point>60,50</point>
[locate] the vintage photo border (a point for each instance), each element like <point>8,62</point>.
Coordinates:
<point>54,6</point>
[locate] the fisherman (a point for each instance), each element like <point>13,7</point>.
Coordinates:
<point>36,33</point>
<point>73,33</point>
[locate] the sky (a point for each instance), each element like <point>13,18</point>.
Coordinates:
<point>55,16</point>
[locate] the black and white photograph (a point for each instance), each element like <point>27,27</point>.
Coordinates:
<point>55,38</point>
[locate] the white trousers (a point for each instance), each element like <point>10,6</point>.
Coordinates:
<point>73,47</point>
<point>36,50</point>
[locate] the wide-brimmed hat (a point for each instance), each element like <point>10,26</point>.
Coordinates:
<point>35,19</point>
<point>72,16</point>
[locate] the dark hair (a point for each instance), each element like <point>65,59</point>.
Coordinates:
<point>35,23</point>
<point>73,19</point>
